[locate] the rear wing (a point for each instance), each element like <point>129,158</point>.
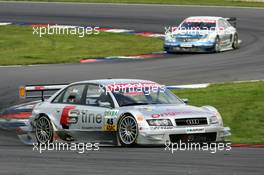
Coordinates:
<point>38,91</point>
<point>232,21</point>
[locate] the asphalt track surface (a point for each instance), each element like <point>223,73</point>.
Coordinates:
<point>243,64</point>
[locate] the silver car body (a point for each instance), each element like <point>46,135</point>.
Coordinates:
<point>195,39</point>
<point>91,122</point>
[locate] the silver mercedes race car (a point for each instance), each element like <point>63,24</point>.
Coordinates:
<point>121,112</point>
<point>203,34</point>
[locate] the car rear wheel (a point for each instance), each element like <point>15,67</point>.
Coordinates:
<point>44,130</point>
<point>127,131</point>
<point>235,44</point>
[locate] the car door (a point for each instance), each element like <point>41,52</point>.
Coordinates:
<point>91,114</point>
<point>93,117</point>
<point>69,99</point>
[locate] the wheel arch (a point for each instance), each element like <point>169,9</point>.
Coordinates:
<point>55,128</point>
<point>124,115</point>
<point>42,115</point>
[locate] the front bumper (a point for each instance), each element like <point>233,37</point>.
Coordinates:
<point>189,46</point>
<point>212,133</point>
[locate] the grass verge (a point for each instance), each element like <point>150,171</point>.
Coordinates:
<point>174,2</point>
<point>18,45</point>
<point>240,104</point>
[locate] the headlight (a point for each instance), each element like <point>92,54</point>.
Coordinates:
<point>159,122</point>
<point>217,119</point>
<point>214,120</point>
<point>169,38</point>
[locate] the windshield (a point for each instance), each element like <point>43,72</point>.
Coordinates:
<point>198,26</point>
<point>145,97</point>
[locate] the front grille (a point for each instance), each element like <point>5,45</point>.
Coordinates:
<point>191,121</point>
<point>187,39</point>
<point>198,137</point>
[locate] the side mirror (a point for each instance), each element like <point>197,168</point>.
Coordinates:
<point>185,100</point>
<point>104,104</point>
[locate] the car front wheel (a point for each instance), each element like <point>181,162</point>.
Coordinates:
<point>235,44</point>
<point>217,46</point>
<point>127,130</point>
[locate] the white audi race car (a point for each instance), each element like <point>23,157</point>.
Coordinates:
<point>120,112</point>
<point>203,34</point>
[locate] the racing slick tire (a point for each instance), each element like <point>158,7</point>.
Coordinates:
<point>216,48</point>
<point>44,130</point>
<point>127,131</point>
<point>235,44</point>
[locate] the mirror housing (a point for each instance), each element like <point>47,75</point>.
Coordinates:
<point>185,100</point>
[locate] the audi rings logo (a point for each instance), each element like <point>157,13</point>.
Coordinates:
<point>192,122</point>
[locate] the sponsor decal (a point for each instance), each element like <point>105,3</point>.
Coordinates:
<point>174,113</point>
<point>65,116</point>
<point>111,113</point>
<point>91,127</point>
<point>39,88</point>
<point>149,109</point>
<point>161,127</point>
<point>87,117</point>
<point>133,93</point>
<point>195,130</point>
<point>201,20</point>
<point>121,86</point>
<point>140,118</point>
<point>110,125</point>
<point>111,120</point>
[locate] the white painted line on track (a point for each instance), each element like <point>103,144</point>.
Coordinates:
<point>30,65</point>
<point>247,81</point>
<point>63,26</point>
<point>189,86</point>
<point>118,30</point>
<point>205,85</point>
<point>126,4</point>
<point>5,23</point>
<point>11,66</point>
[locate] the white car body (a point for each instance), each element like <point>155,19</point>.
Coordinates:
<point>202,34</point>
<point>96,121</point>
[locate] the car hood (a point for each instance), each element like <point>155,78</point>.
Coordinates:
<point>170,111</point>
<point>192,34</point>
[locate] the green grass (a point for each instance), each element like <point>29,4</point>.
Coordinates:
<point>240,104</point>
<point>177,2</point>
<point>18,45</point>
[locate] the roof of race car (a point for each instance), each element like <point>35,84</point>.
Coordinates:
<point>107,82</point>
<point>205,17</point>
